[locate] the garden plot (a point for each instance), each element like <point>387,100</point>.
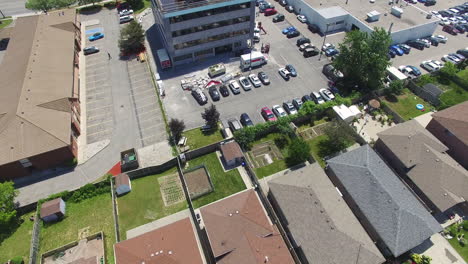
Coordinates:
<point>198,182</point>
<point>264,154</point>
<point>171,189</point>
<point>313,132</point>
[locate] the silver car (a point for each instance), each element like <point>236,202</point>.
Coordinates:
<point>245,83</point>
<point>289,107</point>
<point>255,81</point>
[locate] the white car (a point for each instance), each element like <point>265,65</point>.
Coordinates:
<point>444,21</point>
<point>254,80</point>
<point>235,88</point>
<point>305,46</point>
<point>452,20</point>
<point>125,19</point>
<point>327,46</point>
<point>126,12</point>
<point>289,107</point>
<point>405,69</point>
<point>429,66</point>
<point>326,94</point>
<point>452,59</point>
<point>441,38</point>
<point>317,98</point>
<point>438,63</point>
<point>245,83</point>
<point>454,11</point>
<point>284,73</point>
<point>279,111</point>
<point>302,18</point>
<point>427,42</point>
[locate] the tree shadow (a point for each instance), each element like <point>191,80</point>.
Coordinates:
<point>91,10</point>
<point>391,98</point>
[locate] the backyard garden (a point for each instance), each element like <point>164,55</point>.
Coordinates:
<point>152,197</point>
<point>457,235</point>
<point>196,138</point>
<point>405,104</point>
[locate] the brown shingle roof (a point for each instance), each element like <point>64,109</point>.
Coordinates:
<point>37,69</point>
<point>50,207</point>
<point>122,179</point>
<point>231,150</point>
<point>455,119</point>
<point>172,244</point>
<point>239,231</point>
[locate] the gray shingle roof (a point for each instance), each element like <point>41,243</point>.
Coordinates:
<point>441,178</point>
<point>400,220</point>
<point>320,221</point>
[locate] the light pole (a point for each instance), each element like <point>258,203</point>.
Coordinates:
<point>324,39</point>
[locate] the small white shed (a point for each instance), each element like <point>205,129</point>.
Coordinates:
<point>123,184</point>
<point>347,114</point>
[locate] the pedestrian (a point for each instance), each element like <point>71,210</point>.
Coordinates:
<point>108,54</point>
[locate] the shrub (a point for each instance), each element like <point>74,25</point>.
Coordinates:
<point>465,225</point>
<point>281,141</point>
<point>453,230</point>
<point>462,242</point>
<point>298,152</point>
<point>17,260</point>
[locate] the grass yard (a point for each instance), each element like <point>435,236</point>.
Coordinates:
<point>5,23</point>
<point>17,243</point>
<point>144,203</point>
<point>196,138</point>
<point>405,105</point>
<point>93,213</point>
<point>141,6</point>
<point>453,96</point>
<point>462,250</point>
<point>318,148</point>
<point>277,165</point>
<point>224,183</point>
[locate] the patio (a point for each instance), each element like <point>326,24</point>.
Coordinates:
<point>369,126</point>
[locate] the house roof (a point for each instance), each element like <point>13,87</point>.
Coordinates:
<point>320,221</point>
<point>394,213</point>
<point>239,231</point>
<point>122,179</point>
<point>35,111</point>
<point>174,243</point>
<point>455,119</point>
<point>50,207</point>
<point>406,139</point>
<point>231,150</point>
<point>441,178</point>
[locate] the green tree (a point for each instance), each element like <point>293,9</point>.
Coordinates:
<point>177,127</point>
<point>64,3</point>
<point>132,37</point>
<point>339,135</point>
<point>40,5</point>
<point>7,205</point>
<point>448,72</point>
<point>363,58</point>
<point>87,2</point>
<point>298,152</point>
<point>396,87</point>
<point>211,116</point>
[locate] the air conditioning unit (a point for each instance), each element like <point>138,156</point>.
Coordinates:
<point>396,11</point>
<point>373,16</point>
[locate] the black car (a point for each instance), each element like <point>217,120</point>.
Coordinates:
<point>405,48</point>
<point>310,51</point>
<point>307,98</point>
<point>391,53</point>
<point>445,13</point>
<point>292,71</point>
<point>302,41</point>
<point>224,90</point>
<point>278,18</point>
<point>245,120</point>
<point>293,34</point>
<point>430,2</point>
<point>332,73</point>
<point>214,93</point>
<point>433,41</point>
<point>416,44</point>
<point>90,50</point>
<point>313,28</point>
<point>263,78</point>
<point>460,28</point>
<point>200,96</point>
<point>283,2</point>
<point>290,9</point>
<point>463,52</point>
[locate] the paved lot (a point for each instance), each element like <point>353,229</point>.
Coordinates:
<point>99,105</point>
<point>13,7</point>
<point>149,117</point>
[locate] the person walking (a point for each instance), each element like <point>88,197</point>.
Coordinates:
<point>108,54</point>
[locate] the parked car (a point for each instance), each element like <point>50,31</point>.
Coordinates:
<point>214,93</point>
<point>326,94</point>
<point>416,72</point>
<point>426,42</point>
<point>317,98</point>
<point>293,34</point>
<point>438,63</point>
<point>264,78</point>
<point>90,50</point>
<point>224,90</point>
<point>278,18</point>
<point>331,52</point>
<point>245,120</point>
<point>288,29</point>
<point>307,98</point>
<point>327,46</point>
<point>310,51</point>
<point>267,114</point>
<point>463,52</point>
<point>96,36</point>
<point>305,46</point>
<point>245,83</point>
<point>270,12</point>
<point>416,44</point>
<point>429,66</point>
<point>405,48</point>
<point>290,9</point>
<point>297,102</point>
<point>302,18</point>
<point>391,53</point>
<point>461,28</point>
<point>235,87</point>
<point>126,12</point>
<point>301,41</point>
<point>434,41</point>
<point>397,50</point>
<point>451,58</point>
<point>122,6</point>
<point>289,107</point>
<point>254,80</point>
<point>283,2</point>
<point>234,125</point>
<point>313,28</point>
<point>459,56</point>
<point>292,71</point>
<point>284,73</point>
<point>200,96</point>
<point>125,19</point>
<point>332,73</point>
<point>430,2</point>
<point>279,111</point>
<point>450,29</point>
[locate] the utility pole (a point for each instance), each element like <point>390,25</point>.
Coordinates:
<point>324,39</point>
<point>2,13</point>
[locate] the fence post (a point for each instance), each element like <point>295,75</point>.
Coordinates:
<point>34,247</point>
<point>114,211</point>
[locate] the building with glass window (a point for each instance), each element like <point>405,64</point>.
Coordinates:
<point>192,30</point>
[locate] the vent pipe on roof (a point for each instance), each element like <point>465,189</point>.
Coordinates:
<point>266,259</point>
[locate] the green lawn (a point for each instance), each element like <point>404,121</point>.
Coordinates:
<point>5,23</point>
<point>144,203</point>
<point>462,250</point>
<point>94,213</point>
<point>277,165</point>
<point>197,139</point>
<point>141,6</point>
<point>405,105</point>
<point>17,243</point>
<point>224,183</point>
<point>453,96</point>
<point>319,151</point>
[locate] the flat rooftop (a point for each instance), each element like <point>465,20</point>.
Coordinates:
<point>412,16</point>
<point>169,6</point>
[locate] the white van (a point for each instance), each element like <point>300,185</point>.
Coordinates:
<point>254,59</point>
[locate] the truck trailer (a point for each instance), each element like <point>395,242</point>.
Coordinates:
<point>254,59</point>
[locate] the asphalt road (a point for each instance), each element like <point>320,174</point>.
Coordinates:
<point>13,7</point>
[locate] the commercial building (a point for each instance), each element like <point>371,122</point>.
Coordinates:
<point>409,22</point>
<point>39,102</point>
<point>192,30</point>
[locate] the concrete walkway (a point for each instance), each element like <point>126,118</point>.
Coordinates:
<point>440,250</point>
<point>157,223</point>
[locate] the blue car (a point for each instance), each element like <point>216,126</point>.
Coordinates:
<point>397,50</point>
<point>96,36</point>
<point>415,70</point>
<point>331,52</point>
<point>288,29</point>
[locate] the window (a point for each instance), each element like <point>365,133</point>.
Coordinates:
<point>203,52</point>
<point>211,39</point>
<point>218,24</point>
<point>183,57</point>
<point>25,163</point>
<point>210,12</point>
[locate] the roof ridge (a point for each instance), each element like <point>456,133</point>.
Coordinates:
<point>40,128</point>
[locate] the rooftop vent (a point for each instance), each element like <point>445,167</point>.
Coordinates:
<point>373,16</point>
<point>396,11</point>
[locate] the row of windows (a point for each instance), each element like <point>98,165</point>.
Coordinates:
<point>196,42</point>
<point>218,24</point>
<point>183,57</point>
<point>210,12</point>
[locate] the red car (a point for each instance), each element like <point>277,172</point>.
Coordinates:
<point>450,29</point>
<point>268,115</point>
<point>270,12</point>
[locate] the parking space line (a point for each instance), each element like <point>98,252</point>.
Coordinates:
<point>102,122</point>
<point>98,108</point>
<point>106,132</point>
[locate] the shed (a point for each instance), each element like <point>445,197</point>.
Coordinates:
<point>123,184</point>
<point>347,114</point>
<point>53,210</point>
<point>433,89</point>
<point>232,153</point>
